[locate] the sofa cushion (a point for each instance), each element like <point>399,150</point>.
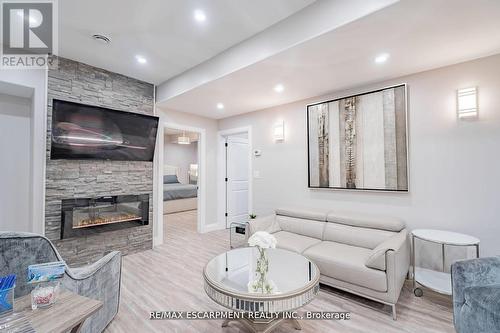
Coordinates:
<point>367,221</point>
<point>355,236</point>
<point>308,214</point>
<point>304,227</point>
<point>293,242</point>
<point>346,263</point>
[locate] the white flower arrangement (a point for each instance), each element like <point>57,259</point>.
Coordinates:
<point>263,240</point>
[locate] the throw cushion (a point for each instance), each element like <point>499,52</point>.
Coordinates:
<point>170,179</point>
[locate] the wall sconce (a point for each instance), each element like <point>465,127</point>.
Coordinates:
<point>279,131</point>
<point>467,103</point>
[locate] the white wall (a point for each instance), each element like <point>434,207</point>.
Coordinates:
<point>15,170</point>
<point>35,80</point>
<point>180,156</point>
<point>210,126</point>
<point>454,165</point>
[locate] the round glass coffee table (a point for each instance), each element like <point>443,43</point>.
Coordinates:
<point>294,280</point>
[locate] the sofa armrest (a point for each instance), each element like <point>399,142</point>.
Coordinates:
<point>377,258</point>
<point>265,223</point>
<point>397,266</point>
<point>84,272</point>
<point>471,273</point>
<point>100,281</point>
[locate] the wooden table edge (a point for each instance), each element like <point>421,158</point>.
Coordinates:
<point>76,323</point>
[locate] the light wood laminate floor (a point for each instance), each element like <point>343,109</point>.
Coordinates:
<point>170,278</point>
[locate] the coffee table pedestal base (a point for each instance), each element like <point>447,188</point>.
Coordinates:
<point>263,325</point>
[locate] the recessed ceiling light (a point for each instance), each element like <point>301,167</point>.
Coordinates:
<point>220,106</point>
<point>279,88</point>
<point>381,58</point>
<point>141,59</point>
<point>200,16</point>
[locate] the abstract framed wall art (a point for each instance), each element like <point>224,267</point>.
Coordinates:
<point>359,142</point>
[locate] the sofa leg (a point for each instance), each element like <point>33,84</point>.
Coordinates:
<point>394,312</point>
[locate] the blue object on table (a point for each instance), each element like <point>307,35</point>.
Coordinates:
<point>7,282</point>
<point>46,272</point>
<point>7,285</point>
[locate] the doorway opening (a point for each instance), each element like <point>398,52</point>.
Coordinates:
<point>235,176</point>
<point>183,176</point>
<point>17,191</point>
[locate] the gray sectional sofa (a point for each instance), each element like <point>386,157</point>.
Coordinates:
<point>365,255</point>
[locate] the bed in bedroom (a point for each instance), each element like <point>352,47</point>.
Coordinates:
<point>178,197</point>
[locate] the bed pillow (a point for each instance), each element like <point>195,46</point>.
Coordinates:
<point>170,179</point>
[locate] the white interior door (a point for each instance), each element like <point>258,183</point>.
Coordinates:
<point>237,168</point>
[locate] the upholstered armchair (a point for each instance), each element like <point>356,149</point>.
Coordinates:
<point>476,295</point>
<point>100,280</point>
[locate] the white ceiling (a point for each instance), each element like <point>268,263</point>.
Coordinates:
<point>418,34</point>
<point>163,31</point>
<point>310,22</point>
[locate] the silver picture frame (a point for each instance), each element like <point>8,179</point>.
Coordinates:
<point>390,105</point>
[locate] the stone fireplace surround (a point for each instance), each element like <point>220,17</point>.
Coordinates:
<point>81,83</point>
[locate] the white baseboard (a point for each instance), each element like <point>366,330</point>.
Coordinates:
<point>213,227</point>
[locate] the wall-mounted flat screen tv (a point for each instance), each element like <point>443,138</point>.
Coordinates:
<point>82,131</point>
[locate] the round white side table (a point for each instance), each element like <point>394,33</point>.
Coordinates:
<point>438,281</point>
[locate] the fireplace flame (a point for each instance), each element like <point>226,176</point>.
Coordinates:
<point>106,220</point>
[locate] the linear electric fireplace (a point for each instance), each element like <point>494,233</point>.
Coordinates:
<point>84,216</point>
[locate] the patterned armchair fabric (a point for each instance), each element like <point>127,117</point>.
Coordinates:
<point>100,280</point>
<point>476,295</point>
